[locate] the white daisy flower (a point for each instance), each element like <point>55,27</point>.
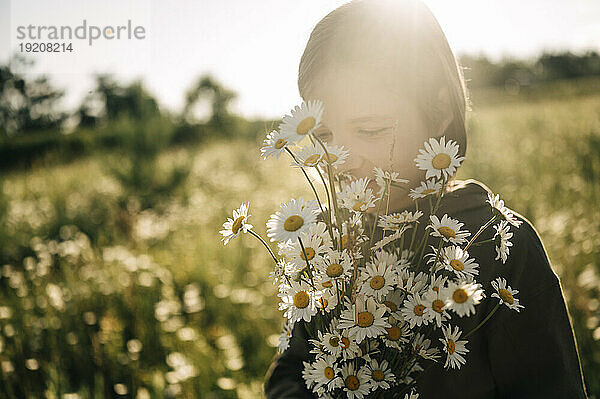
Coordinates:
<point>233,227</point>
<point>327,373</point>
<point>412,395</point>
<point>439,158</point>
<point>337,155</point>
<point>329,299</point>
<point>462,296</point>
<point>377,280</point>
<point>395,220</point>
<point>422,346</point>
<point>388,259</point>
<point>284,338</point>
<point>308,375</point>
<point>506,294</point>
<point>383,177</point>
<point>396,235</point>
<point>457,261</point>
<point>437,283</point>
<point>380,374</point>
<point>298,301</point>
<point>279,271</point>
<point>302,121</point>
<point>356,383</point>
<point>330,342</point>
<point>448,229</point>
<point>454,348</point>
<point>309,156</point>
<point>437,307</point>
<point>498,205</point>
<point>337,265</point>
<point>356,196</point>
<point>411,282</point>
<point>348,345</point>
<point>294,217</point>
<point>413,310</point>
<point>393,301</point>
<point>274,145</point>
<point>502,237</point>
<point>370,321</point>
<point>428,187</point>
<point>313,247</point>
<point>397,335</point>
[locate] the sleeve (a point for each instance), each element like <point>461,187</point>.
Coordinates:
<point>533,352</point>
<point>284,377</point>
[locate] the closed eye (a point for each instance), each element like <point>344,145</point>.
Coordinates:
<point>373,132</point>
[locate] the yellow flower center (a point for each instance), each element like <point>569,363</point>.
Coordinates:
<point>437,305</point>
<point>441,161</point>
<point>460,296</point>
<point>447,232</point>
<point>237,224</point>
<point>357,207</point>
<point>301,299</point>
<point>377,282</point>
<point>331,158</point>
<point>506,296</point>
<point>428,191</point>
<point>293,223</point>
<point>323,302</point>
<point>352,382</point>
<point>436,289</point>
<point>391,305</point>
<point>312,160</point>
<point>305,125</point>
<point>310,253</point>
<point>329,373</point>
<point>378,375</point>
<point>334,270</point>
<point>419,309</point>
<point>457,265</point>
<point>393,333</point>
<point>451,346</point>
<point>327,284</point>
<point>365,319</point>
<point>345,342</point>
<point>280,143</point>
<point>334,341</point>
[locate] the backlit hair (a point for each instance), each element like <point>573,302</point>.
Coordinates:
<point>403,41</point>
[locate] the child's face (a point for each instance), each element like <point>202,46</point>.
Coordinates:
<point>378,124</point>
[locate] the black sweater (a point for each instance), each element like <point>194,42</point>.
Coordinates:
<point>530,354</point>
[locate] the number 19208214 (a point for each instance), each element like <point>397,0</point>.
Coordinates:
<point>45,47</point>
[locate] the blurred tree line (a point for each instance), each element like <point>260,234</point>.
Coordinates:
<point>33,126</point>
<point>513,73</point>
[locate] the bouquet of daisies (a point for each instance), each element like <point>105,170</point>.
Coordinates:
<point>373,308</point>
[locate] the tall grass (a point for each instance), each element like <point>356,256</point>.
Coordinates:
<point>111,289</point>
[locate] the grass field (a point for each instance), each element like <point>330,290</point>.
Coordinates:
<point>103,296</point>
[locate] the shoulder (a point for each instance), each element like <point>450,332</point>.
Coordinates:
<point>528,263</point>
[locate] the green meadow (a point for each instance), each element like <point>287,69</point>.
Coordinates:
<point>115,282</point>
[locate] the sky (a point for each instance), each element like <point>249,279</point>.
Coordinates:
<point>254,47</point>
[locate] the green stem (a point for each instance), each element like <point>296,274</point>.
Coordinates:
<point>307,178</point>
<point>328,203</point>
<point>265,244</point>
<point>377,215</point>
<point>484,320</point>
<point>483,242</point>
<point>485,226</point>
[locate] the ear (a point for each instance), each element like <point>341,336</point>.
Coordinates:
<point>444,105</point>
